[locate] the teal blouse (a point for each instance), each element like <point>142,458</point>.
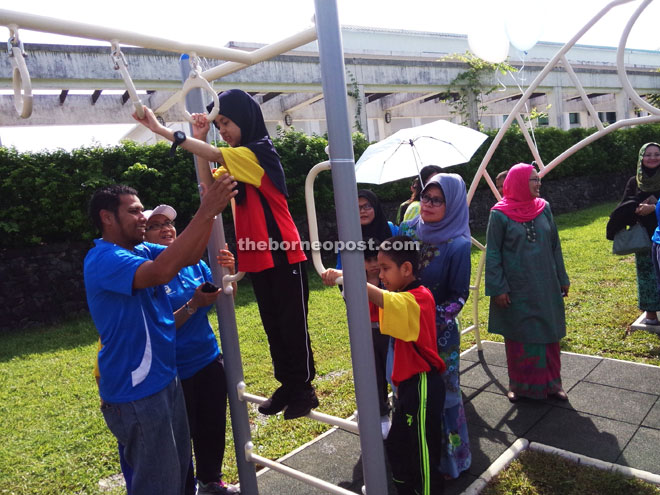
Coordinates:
<point>525,261</point>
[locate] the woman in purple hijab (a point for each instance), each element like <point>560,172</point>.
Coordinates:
<point>443,232</point>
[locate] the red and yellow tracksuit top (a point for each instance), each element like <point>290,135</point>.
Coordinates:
<point>249,216</point>
<point>409,317</point>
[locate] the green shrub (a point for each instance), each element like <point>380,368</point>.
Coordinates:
<point>44,196</point>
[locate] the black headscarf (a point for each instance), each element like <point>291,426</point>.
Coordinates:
<point>378,229</point>
<point>239,106</point>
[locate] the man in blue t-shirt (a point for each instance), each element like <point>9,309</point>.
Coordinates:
<point>143,404</point>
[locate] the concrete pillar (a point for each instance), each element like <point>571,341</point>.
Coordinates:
<point>623,110</point>
<point>586,120</point>
<point>362,117</point>
<point>473,111</point>
<point>381,126</point>
<point>556,117</point>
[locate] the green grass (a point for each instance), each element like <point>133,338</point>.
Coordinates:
<point>54,440</point>
<point>536,473</point>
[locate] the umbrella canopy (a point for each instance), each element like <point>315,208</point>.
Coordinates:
<point>406,151</point>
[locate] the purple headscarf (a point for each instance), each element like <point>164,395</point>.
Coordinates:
<point>457,215</point>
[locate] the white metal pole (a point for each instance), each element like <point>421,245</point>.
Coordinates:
<point>348,223</point>
<point>227,326</point>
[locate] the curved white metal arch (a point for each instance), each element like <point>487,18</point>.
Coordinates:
<point>560,56</point>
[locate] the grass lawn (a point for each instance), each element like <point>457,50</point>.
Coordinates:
<point>54,439</point>
<point>537,473</point>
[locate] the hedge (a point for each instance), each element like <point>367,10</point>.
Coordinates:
<point>44,196</point>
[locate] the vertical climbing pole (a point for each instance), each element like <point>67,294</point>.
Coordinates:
<point>346,205</point>
<point>227,326</point>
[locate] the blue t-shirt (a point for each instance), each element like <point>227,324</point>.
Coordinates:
<point>196,345</point>
<point>136,326</point>
<point>656,234</point>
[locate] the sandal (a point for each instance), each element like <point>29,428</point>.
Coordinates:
<point>561,395</point>
<point>512,396</point>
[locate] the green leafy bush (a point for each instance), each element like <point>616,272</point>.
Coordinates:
<point>44,196</point>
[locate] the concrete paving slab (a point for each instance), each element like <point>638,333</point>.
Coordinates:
<point>497,413</point>
<point>623,374</point>
<point>577,366</point>
<point>486,445</point>
<point>652,420</point>
<point>643,451</point>
<point>582,433</point>
<point>334,458</point>
<point>457,486</point>
<point>482,375</point>
<point>493,353</point>
<point>610,402</point>
<point>469,392</point>
<point>613,414</point>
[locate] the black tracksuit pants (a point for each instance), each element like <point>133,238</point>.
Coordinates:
<point>414,444</point>
<point>282,294</point>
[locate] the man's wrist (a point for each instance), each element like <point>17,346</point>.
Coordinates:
<point>190,309</point>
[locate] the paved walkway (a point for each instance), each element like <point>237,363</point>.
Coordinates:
<point>613,414</point>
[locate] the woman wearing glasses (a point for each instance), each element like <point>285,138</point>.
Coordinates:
<point>526,281</point>
<point>375,226</point>
<point>443,232</point>
<point>198,358</point>
<point>638,206</point>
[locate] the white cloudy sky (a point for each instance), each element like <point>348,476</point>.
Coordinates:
<point>216,22</point>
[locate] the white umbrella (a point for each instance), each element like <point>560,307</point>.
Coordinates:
<point>406,151</point>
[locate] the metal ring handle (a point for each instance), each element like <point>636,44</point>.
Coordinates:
<point>197,81</point>
<point>132,92</point>
<point>228,279</point>
<point>22,84</point>
<point>121,66</point>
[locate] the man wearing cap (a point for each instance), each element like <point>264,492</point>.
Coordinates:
<point>143,404</point>
<point>198,359</point>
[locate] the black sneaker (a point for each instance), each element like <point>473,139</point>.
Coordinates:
<point>301,403</point>
<point>276,403</point>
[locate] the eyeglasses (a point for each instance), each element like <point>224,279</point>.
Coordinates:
<point>365,207</point>
<point>435,202</point>
<point>536,179</point>
<point>160,226</point>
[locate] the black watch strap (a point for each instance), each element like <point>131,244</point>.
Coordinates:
<point>179,137</point>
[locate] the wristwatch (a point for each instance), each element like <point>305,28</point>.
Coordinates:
<point>189,310</point>
<point>179,137</point>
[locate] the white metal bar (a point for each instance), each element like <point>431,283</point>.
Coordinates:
<point>649,119</point>
<point>344,424</point>
<point>475,294</point>
<point>311,217</point>
<point>256,56</point>
<point>530,142</point>
<point>89,31</point>
<point>293,473</point>
<point>532,87</point>
<point>583,93</point>
<point>623,76</point>
<point>264,53</point>
<point>492,185</point>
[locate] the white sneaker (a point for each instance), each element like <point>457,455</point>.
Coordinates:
<point>385,425</point>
